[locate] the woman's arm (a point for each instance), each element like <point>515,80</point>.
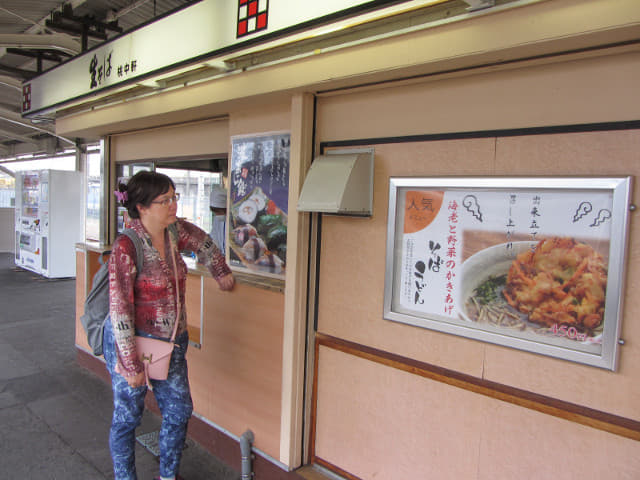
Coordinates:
<point>193,238</point>
<point>122,277</point>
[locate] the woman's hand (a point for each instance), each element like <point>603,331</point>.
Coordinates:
<point>134,381</point>
<point>137,380</point>
<point>226,282</point>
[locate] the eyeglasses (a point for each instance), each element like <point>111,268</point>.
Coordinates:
<point>168,201</point>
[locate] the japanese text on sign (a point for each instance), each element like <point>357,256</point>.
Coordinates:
<point>101,69</point>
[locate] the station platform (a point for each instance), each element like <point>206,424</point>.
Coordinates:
<point>55,414</point>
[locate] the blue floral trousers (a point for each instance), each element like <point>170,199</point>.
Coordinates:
<point>174,399</point>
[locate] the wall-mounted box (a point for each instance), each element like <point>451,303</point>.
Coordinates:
<point>339,182</point>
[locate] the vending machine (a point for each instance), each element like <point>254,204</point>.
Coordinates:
<point>48,221</point>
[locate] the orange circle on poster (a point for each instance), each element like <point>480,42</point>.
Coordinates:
<point>420,209</point>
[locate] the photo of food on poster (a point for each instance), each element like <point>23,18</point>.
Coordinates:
<point>259,192</point>
<point>523,264</point>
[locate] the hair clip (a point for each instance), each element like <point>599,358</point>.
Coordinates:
<point>121,196</point>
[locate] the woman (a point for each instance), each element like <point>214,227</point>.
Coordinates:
<point>144,302</point>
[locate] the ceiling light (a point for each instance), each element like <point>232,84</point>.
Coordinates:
<point>479,4</point>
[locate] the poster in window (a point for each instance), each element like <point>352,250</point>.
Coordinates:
<point>531,263</point>
<point>259,192</point>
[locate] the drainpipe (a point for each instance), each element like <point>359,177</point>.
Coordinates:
<point>245,448</point>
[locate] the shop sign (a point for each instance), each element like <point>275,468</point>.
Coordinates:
<point>101,68</point>
<point>259,193</point>
<point>199,32</point>
<point>531,263</point>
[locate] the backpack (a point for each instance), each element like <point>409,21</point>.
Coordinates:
<point>96,306</point>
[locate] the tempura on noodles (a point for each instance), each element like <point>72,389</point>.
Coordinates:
<point>559,282</point>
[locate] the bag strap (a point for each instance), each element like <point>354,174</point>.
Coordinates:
<point>173,233</point>
<point>147,379</point>
<point>173,230</point>
<point>174,249</point>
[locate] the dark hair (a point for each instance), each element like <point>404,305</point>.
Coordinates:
<point>143,188</point>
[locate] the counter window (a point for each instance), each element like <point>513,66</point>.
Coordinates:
<point>193,179</point>
<point>194,187</point>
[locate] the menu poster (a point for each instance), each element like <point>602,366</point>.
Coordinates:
<point>534,268</point>
<point>259,193</point>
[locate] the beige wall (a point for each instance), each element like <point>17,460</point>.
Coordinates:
<point>442,431</point>
<point>379,423</point>
<point>207,137</point>
<point>575,92</point>
<point>236,376</point>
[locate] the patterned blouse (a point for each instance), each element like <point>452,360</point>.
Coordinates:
<point>145,301</point>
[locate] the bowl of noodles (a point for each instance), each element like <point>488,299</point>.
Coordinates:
<point>549,286</point>
<point>484,277</point>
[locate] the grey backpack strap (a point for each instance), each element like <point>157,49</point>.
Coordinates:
<point>137,242</point>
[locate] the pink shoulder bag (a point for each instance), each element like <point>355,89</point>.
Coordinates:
<point>155,354</point>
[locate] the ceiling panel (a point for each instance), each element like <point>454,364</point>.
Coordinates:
<point>18,64</point>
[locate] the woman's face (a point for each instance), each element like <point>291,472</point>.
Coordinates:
<point>162,210</point>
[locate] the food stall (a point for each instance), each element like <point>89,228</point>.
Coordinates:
<point>328,358</point>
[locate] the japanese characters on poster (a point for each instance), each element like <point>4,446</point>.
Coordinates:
<point>520,265</point>
<point>259,191</point>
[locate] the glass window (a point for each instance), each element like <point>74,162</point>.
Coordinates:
<point>7,190</point>
<point>124,172</point>
<point>94,194</point>
<point>194,187</point>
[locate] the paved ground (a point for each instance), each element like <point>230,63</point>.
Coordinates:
<point>54,414</point>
